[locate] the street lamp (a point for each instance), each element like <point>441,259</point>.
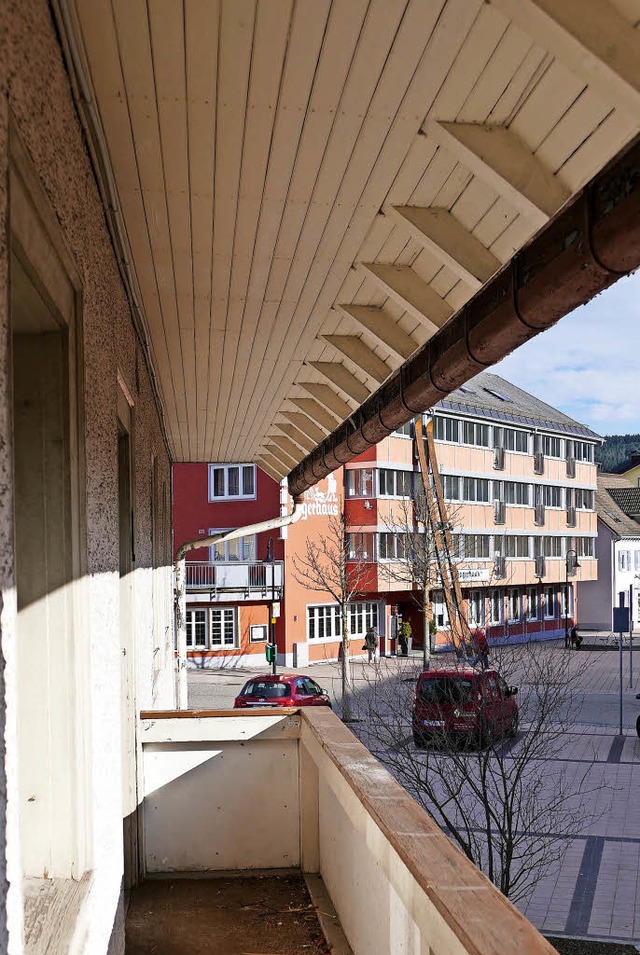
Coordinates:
<point>570,565</point>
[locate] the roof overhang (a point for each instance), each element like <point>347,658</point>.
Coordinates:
<point>303,194</point>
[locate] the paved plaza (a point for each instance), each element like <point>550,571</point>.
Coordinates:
<point>592,892</point>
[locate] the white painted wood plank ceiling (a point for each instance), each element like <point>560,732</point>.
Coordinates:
<point>309,188</point>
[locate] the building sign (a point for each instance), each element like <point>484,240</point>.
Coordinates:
<point>473,574</point>
<point>321,503</point>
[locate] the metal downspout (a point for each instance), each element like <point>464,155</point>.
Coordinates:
<point>180,576</point>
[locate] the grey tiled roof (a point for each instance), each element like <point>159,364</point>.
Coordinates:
<point>609,511</point>
<point>479,397</point>
<point>627,498</point>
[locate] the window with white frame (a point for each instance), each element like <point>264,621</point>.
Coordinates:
<point>475,611</point>
<point>582,451</point>
<point>446,429</point>
<point>241,548</point>
<point>584,499</point>
<point>549,602</point>
<point>360,546</point>
<point>232,482</point>
<point>515,545</point>
<point>514,605</point>
<point>584,546</point>
<point>391,546</point>
<point>406,431</point>
<point>394,483</point>
<point>196,629</point>
<point>476,546</point>
<point>362,616</point>
<point>624,560</point>
<point>476,433</point>
<point>360,482</point>
<point>515,492</point>
<point>475,489</point>
<point>323,622</point>
<point>451,487</point>
<point>551,546</point>
<point>510,439</point>
<point>223,632</point>
<point>551,496</point>
<point>636,560</point>
<point>533,610</point>
<point>496,604</point>
<point>439,610</point>
<point>552,446</point>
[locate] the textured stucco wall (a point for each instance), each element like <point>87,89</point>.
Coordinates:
<point>36,102</point>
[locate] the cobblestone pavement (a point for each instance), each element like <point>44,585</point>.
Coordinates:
<point>592,892</point>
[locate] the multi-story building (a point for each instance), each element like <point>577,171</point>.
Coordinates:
<point>618,555</point>
<point>519,481</point>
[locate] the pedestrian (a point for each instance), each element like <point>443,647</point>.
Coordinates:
<point>481,648</point>
<point>371,644</point>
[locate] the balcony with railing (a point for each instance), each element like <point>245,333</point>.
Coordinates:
<point>272,791</point>
<point>237,580</point>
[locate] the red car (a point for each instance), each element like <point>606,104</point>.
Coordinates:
<point>284,689</point>
<point>465,705</point>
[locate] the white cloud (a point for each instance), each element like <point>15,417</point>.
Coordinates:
<point>588,365</point>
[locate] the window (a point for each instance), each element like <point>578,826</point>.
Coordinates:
<point>196,628</point>
<point>551,496</point>
<point>242,548</point>
<point>223,627</point>
<point>532,604</point>
<point>516,493</point>
<point>636,560</point>
<point>406,431</point>
<point>360,546</point>
<point>445,429</point>
<point>549,602</point>
<point>232,481</point>
<point>583,451</point>
<point>551,546</point>
<point>513,440</point>
<point>476,608</point>
<point>391,546</point>
<point>474,432</point>
<point>362,616</point>
<point>439,610</point>
<point>516,545</point>
<point>497,394</point>
<point>584,499</point>
<point>624,560</point>
<point>475,489</point>
<point>323,622</point>
<point>495,607</point>
<point>266,689</point>
<point>476,546</point>
<point>360,482</point>
<point>394,483</point>
<point>514,606</point>
<point>551,446</point>
<point>451,487</point>
<point>584,547</point>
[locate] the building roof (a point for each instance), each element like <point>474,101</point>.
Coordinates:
<point>491,396</point>
<point>627,499</point>
<point>609,511</point>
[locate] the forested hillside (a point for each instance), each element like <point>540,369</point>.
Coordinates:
<point>616,450</point>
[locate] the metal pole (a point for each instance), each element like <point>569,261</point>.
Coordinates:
<point>566,600</point>
<point>630,635</point>
<point>621,679</point>
<point>274,663</point>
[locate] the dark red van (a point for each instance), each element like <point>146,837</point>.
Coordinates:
<point>465,705</point>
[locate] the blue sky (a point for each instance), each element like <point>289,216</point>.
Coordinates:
<point>588,365</point>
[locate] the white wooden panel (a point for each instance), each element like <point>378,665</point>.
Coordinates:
<point>361,355</point>
<point>327,397</point>
<point>340,376</point>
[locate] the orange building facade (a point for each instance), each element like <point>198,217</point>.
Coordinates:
<point>519,481</point>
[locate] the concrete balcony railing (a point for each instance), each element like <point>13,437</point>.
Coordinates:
<point>245,579</point>
<point>274,789</point>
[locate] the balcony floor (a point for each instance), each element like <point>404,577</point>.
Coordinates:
<point>238,915</point>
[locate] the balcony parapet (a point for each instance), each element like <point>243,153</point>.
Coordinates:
<point>275,787</point>
<point>250,578</point>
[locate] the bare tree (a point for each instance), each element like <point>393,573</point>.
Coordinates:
<point>338,565</point>
<point>504,802</point>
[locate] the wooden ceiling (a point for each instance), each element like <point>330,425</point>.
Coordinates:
<point>306,190</point>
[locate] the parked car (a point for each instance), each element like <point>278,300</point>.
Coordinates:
<point>283,689</point>
<point>463,705</point>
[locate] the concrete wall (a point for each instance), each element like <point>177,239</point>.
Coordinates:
<point>220,794</point>
<point>52,218</point>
